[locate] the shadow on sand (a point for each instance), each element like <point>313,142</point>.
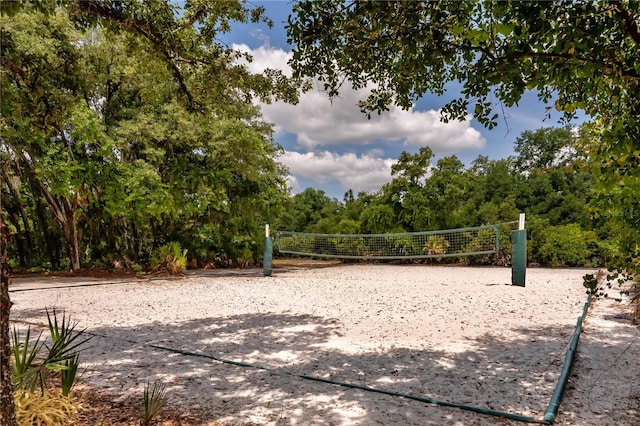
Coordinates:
<point>516,375</point>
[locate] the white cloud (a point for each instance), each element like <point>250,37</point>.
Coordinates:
<point>265,57</point>
<point>292,183</point>
<point>320,125</point>
<point>358,172</point>
<point>320,122</point>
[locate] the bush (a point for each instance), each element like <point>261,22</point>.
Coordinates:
<point>43,408</point>
<point>34,361</point>
<point>170,257</point>
<point>435,245</point>
<point>567,245</point>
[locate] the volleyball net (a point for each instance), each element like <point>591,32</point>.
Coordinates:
<point>480,240</point>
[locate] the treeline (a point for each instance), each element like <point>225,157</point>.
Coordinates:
<point>540,180</point>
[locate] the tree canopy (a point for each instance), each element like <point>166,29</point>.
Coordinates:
<point>128,131</point>
<point>580,55</point>
<point>128,125</point>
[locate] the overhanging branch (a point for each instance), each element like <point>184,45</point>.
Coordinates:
<point>151,33</point>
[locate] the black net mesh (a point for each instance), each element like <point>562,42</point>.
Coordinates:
<point>430,244</point>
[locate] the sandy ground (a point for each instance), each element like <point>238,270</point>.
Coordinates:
<point>455,334</point>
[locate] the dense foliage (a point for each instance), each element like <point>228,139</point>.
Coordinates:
<point>127,126</point>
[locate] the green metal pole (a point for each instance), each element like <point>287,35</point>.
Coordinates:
<point>497,242</point>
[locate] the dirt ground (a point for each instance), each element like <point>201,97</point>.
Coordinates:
<point>308,345</point>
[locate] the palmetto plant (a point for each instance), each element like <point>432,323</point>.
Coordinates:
<point>153,399</point>
<point>171,257</point>
<point>35,360</point>
<point>65,347</point>
<point>27,371</point>
<point>68,374</point>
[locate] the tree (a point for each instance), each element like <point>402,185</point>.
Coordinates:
<point>579,56</point>
<point>379,218</point>
<point>7,406</point>
<point>545,148</point>
<point>447,190</point>
<point>38,106</point>
<point>110,122</point>
<point>405,193</point>
<point>311,211</point>
<point>494,186</point>
<point>208,74</point>
<point>495,49</point>
<point>552,187</point>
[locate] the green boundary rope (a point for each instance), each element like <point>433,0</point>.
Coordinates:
<point>427,400</point>
<point>556,398</point>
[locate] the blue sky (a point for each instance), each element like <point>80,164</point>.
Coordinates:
<point>334,147</point>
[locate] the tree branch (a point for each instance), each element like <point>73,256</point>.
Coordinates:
<point>97,8</point>
<point>630,26</point>
<point>623,72</point>
<point>16,70</point>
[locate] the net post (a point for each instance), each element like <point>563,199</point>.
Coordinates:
<point>268,252</point>
<point>520,222</point>
<point>519,256</point>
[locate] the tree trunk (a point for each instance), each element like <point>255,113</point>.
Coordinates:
<point>7,406</point>
<point>19,237</point>
<point>14,190</point>
<point>64,211</point>
<point>71,232</point>
<point>51,237</point>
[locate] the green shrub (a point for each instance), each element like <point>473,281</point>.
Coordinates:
<point>608,249</point>
<point>435,245</point>
<point>68,374</point>
<point>35,361</point>
<point>171,257</point>
<point>27,369</point>
<point>567,245</point>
